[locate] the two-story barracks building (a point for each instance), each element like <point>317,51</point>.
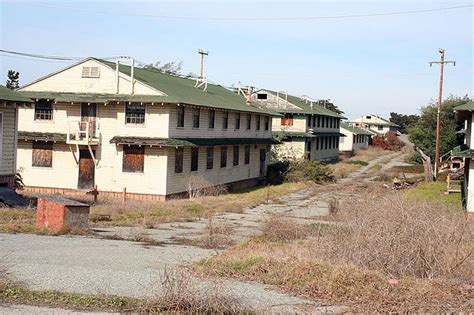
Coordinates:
<point>122,127</point>
<point>305,128</point>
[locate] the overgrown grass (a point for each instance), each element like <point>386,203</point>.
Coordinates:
<point>395,255</point>
<point>360,158</point>
<point>177,294</point>
<point>414,169</point>
<point>148,214</point>
<point>434,192</point>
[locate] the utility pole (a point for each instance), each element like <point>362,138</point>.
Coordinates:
<point>440,100</point>
<point>202,53</point>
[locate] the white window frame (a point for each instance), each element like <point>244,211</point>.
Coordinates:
<point>87,72</point>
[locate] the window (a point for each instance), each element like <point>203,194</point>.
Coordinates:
<point>90,72</point>
<point>338,123</point>
<point>317,143</point>
<point>379,127</point>
<point>287,120</point>
<point>236,155</point>
<point>326,143</point>
<point>368,117</point>
<point>223,157</point>
<point>196,117</point>
<point>266,122</point>
<point>247,154</point>
<point>249,121</point>
<point>212,118</point>
<point>319,121</point>
<point>257,122</point>
<point>133,159</point>
<point>237,120</point>
<point>194,159</point>
<point>42,154</point>
<point>178,160</point>
<point>308,119</point>
<point>134,113</point>
<point>44,110</point>
<point>180,111</point>
<point>261,96</point>
<point>225,120</point>
<point>210,158</point>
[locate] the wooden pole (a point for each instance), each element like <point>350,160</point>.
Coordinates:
<point>124,195</point>
<point>202,53</point>
<point>440,100</point>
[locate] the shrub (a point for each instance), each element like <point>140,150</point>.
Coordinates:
<point>303,169</point>
<point>389,142</point>
<point>276,172</point>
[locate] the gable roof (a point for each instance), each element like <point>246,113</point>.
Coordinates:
<point>182,90</point>
<point>383,121</point>
<point>469,106</point>
<point>303,107</point>
<point>12,96</point>
<point>355,130</point>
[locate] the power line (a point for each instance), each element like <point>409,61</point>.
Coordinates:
<point>263,18</point>
<point>52,57</point>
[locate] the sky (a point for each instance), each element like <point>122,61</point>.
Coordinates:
<point>365,65</point>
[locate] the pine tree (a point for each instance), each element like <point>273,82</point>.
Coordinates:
<point>13,81</point>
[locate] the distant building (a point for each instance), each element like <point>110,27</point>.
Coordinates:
<point>306,128</point>
<point>355,138</point>
<point>465,113</point>
<point>9,102</point>
<point>127,128</point>
<point>375,124</point>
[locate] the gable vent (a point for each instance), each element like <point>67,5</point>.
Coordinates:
<point>90,72</point>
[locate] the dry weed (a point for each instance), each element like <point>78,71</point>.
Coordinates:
<point>180,293</point>
<point>401,238</point>
<point>277,228</point>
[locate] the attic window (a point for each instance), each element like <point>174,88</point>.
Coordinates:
<point>90,72</point>
<point>368,117</point>
<point>261,96</point>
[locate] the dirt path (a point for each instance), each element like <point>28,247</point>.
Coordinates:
<point>94,265</point>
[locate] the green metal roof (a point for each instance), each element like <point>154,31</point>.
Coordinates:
<point>190,142</point>
<point>303,107</point>
<point>469,106</point>
<point>13,96</point>
<point>355,130</point>
<point>182,90</point>
<point>41,136</point>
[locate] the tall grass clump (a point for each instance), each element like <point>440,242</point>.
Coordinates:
<point>400,238</point>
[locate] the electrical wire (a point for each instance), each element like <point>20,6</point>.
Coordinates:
<point>52,58</point>
<point>262,18</point>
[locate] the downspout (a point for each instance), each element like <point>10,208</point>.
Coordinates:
<point>117,72</point>
<point>132,75</point>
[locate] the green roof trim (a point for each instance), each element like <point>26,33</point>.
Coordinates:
<point>288,135</point>
<point>469,106</point>
<point>41,136</point>
<point>12,96</point>
<point>181,90</point>
<point>304,108</point>
<point>324,134</point>
<point>190,142</point>
<point>355,130</point>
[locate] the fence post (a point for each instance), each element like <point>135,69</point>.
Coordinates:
<point>124,195</point>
